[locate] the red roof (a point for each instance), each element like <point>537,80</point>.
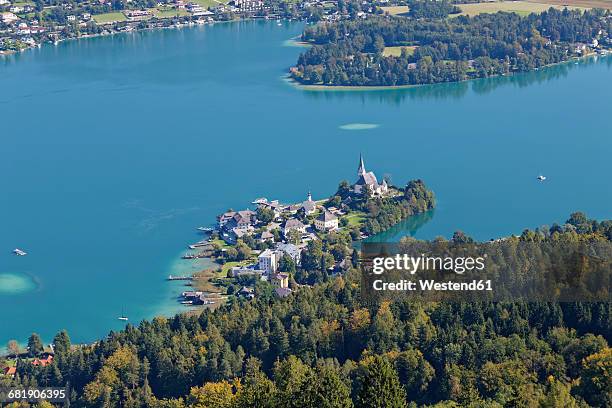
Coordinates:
<point>10,370</point>
<point>43,361</point>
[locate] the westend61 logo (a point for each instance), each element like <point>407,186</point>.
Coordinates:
<point>503,270</point>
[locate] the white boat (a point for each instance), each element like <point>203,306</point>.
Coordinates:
<point>541,177</point>
<point>123,317</point>
<point>19,252</point>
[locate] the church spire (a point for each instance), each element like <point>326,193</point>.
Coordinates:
<point>361,170</point>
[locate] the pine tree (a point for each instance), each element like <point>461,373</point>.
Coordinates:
<point>35,345</point>
<point>380,386</point>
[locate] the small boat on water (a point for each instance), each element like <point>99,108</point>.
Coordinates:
<point>205,229</point>
<point>123,317</point>
<point>19,252</point>
<point>541,178</point>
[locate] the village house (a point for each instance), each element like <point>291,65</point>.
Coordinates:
<point>8,18</point>
<point>282,292</point>
<point>43,362</point>
<point>268,261</point>
<point>326,222</point>
<point>280,280</point>
<point>266,236</point>
<point>134,15</point>
<point>289,249</point>
<point>247,5</point>
<point>293,224</point>
<point>241,220</point>
<point>225,217</point>
<point>231,236</point>
<point>367,181</point>
<point>247,293</point>
<point>273,205</point>
<point>10,371</point>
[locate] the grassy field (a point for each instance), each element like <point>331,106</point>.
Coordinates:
<point>395,10</point>
<point>169,12</point>
<point>518,7</point>
<point>355,218</point>
<point>604,4</point>
<point>210,3</point>
<point>108,18</point>
<point>397,51</point>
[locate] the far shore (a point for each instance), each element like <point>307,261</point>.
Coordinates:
<point>363,88</point>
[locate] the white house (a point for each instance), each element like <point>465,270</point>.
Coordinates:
<point>268,261</point>
<point>8,18</point>
<point>293,251</point>
<point>293,224</point>
<point>326,222</point>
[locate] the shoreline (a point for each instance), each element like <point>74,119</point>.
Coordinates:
<point>190,24</point>
<point>365,88</point>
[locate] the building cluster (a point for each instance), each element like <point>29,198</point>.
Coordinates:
<point>290,229</point>
<point>43,361</point>
<point>18,31</point>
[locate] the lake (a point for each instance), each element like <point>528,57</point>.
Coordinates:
<point>115,149</point>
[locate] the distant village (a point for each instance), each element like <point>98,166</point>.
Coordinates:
<point>283,231</point>
<point>29,24</point>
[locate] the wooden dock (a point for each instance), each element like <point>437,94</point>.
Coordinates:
<point>176,278</point>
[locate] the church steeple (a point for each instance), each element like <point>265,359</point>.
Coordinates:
<point>361,170</point>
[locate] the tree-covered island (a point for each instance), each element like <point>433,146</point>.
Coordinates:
<point>435,48</point>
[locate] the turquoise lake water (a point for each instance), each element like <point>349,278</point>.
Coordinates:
<point>114,149</point>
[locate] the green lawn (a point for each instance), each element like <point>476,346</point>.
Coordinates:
<point>210,3</point>
<point>108,18</point>
<point>220,242</point>
<point>169,12</point>
<point>355,218</point>
<point>397,51</point>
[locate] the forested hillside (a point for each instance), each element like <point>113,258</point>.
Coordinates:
<point>324,347</point>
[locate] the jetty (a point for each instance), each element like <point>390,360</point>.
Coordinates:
<point>199,244</point>
<point>179,278</point>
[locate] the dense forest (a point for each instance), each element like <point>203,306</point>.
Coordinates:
<point>324,347</point>
<point>443,49</point>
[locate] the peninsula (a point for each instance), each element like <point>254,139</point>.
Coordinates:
<point>288,245</point>
<point>426,46</point>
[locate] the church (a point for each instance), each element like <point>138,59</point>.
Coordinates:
<point>368,178</point>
